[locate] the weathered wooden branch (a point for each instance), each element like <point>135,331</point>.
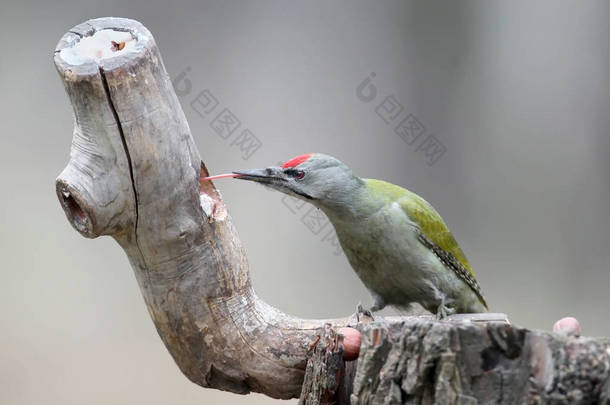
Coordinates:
<point>134,175</point>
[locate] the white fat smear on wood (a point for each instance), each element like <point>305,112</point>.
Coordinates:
<point>98,46</point>
<point>214,209</point>
<point>207,203</point>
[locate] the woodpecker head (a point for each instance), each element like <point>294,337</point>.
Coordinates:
<point>314,177</point>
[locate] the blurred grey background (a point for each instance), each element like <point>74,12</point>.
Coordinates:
<point>515,93</point>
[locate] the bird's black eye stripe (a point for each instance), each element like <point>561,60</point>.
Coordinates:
<point>297,174</point>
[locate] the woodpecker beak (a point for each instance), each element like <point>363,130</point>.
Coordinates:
<point>269,176</point>
<point>273,177</point>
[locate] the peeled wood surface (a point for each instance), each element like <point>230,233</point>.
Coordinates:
<point>134,175</point>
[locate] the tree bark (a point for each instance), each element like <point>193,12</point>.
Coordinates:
<point>423,361</point>
<point>134,175</point>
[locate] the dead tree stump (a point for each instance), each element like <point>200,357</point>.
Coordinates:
<point>134,175</point>
<point>423,361</point>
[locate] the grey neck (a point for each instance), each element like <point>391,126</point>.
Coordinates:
<point>351,203</point>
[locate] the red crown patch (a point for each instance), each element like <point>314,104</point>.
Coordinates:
<point>294,162</point>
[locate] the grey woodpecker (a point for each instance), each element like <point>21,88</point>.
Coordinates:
<point>396,242</point>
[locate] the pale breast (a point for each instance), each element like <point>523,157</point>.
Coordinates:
<point>385,253</point>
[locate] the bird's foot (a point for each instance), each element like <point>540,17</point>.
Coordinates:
<point>443,312</point>
<point>365,312</point>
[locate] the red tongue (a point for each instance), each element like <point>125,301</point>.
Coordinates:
<point>220,176</point>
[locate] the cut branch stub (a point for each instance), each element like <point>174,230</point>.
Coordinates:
<point>134,174</point>
<point>94,188</point>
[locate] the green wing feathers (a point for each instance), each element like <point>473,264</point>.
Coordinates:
<point>435,233</point>
<point>433,226</point>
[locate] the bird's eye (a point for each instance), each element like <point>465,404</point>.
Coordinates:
<point>299,174</point>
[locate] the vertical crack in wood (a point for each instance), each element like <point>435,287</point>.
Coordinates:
<point>117,119</point>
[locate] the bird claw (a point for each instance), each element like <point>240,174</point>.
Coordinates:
<point>443,312</point>
<point>365,312</point>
